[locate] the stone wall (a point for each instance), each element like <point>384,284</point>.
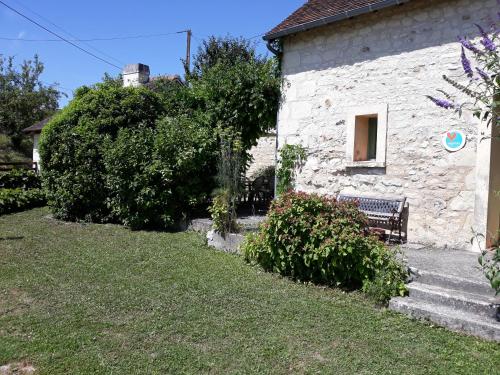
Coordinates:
<point>263,154</point>
<point>394,57</point>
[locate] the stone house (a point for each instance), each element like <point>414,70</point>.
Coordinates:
<point>356,75</point>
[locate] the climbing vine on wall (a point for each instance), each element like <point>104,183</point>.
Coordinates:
<point>291,158</point>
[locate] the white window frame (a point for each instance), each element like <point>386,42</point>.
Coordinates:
<point>381,111</point>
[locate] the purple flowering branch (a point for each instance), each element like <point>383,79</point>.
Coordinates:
<point>466,64</point>
<point>443,103</point>
<point>488,44</point>
<point>483,83</point>
<point>469,45</point>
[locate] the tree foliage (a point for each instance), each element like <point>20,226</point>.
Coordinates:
<point>24,98</point>
<point>243,97</point>
<point>222,50</point>
<point>72,146</point>
<point>147,156</point>
<point>156,175</point>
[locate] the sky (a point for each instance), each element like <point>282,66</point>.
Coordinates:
<point>91,19</point>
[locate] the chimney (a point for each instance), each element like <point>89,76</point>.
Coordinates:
<point>135,75</point>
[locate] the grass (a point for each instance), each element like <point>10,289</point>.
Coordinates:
<point>100,299</point>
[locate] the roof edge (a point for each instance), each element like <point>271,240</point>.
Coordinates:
<point>336,18</point>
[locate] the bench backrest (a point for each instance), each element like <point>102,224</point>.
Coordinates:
<point>374,204</point>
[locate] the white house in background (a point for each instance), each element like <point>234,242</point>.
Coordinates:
<point>35,131</point>
<point>356,75</point>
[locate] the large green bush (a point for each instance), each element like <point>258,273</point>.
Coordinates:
<point>317,239</point>
<point>155,176</point>
<point>108,157</point>
<point>13,200</point>
<point>72,147</point>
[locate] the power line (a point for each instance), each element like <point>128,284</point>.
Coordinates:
<point>256,36</point>
<point>144,36</point>
<point>59,36</point>
<point>68,33</point>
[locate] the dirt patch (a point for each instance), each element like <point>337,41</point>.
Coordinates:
<point>14,301</point>
<point>20,368</point>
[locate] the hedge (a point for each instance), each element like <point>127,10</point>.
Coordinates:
<point>72,147</point>
<point>19,178</point>
<point>13,200</point>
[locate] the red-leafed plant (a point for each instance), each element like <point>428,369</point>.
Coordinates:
<point>313,238</point>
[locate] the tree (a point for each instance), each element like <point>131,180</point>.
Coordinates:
<point>24,98</point>
<point>243,96</point>
<point>225,51</point>
<point>238,93</point>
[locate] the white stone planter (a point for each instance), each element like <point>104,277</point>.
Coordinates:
<point>230,244</point>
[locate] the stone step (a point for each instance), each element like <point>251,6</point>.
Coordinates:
<point>460,300</point>
<point>448,316</point>
<point>453,282</point>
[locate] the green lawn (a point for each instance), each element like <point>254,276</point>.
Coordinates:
<point>100,299</point>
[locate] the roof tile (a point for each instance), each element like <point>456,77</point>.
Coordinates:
<point>315,10</point>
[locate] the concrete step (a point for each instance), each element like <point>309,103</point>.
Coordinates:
<point>448,316</point>
<point>448,281</point>
<point>460,300</point>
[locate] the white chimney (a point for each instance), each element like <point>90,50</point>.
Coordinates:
<point>135,75</point>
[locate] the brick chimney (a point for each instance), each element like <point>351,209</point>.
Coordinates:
<point>135,75</point>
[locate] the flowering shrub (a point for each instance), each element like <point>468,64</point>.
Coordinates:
<point>484,89</point>
<point>483,86</point>
<point>313,238</point>
<point>12,200</point>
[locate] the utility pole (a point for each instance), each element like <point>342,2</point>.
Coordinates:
<point>189,33</point>
<point>188,49</point>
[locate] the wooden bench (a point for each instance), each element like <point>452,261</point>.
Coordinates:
<point>381,211</point>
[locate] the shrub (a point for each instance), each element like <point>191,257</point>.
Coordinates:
<point>156,176</point>
<point>389,279</point>
<point>19,178</point>
<point>138,192</point>
<point>188,148</point>
<point>223,213</point>
<point>313,238</point>
<point>12,200</point>
<point>71,146</point>
<point>230,169</point>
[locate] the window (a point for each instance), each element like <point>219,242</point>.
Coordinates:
<point>366,136</point>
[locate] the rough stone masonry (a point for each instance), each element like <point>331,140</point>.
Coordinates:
<point>395,58</point>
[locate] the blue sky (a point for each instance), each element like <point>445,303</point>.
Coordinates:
<point>89,19</point>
